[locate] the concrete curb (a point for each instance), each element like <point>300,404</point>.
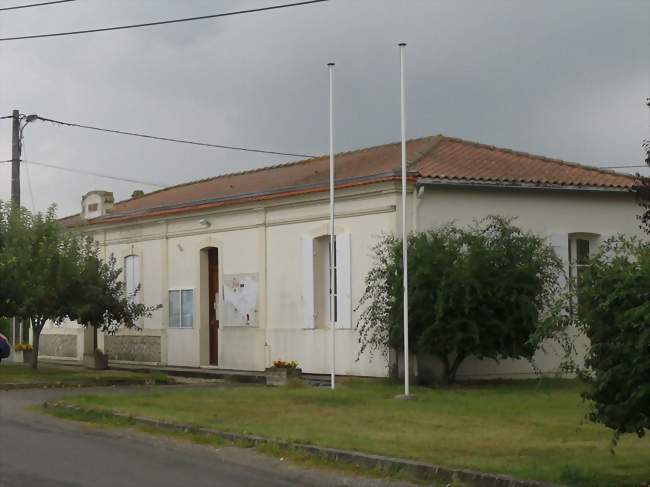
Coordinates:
<point>62,385</point>
<point>419,470</point>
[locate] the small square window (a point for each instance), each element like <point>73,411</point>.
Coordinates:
<point>93,207</point>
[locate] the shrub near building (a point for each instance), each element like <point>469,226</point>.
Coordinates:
<point>614,306</point>
<point>490,290</point>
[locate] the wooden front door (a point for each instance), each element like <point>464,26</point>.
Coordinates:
<point>213,276</point>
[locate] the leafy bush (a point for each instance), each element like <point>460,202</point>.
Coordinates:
<point>614,297</point>
<point>489,290</point>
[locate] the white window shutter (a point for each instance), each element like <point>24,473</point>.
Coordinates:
<point>308,282</point>
<point>136,278</point>
<point>128,274</point>
<point>344,280</point>
<point>132,276</point>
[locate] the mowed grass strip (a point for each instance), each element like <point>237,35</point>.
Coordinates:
<point>71,376</point>
<point>529,429</point>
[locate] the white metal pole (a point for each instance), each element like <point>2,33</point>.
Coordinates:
<point>402,52</point>
<point>332,233</point>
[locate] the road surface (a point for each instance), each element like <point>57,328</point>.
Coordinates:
<point>37,450</point>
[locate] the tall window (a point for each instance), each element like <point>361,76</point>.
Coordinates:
<point>132,278</point>
<point>579,251</point>
<point>325,287</point>
<point>317,289</point>
<point>181,308</point>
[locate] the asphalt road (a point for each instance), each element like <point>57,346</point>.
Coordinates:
<point>37,450</point>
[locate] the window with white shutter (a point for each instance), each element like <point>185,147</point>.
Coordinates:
<point>132,277</point>
<point>329,300</point>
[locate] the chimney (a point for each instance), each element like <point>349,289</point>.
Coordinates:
<point>96,203</point>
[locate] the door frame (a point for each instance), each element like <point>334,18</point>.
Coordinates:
<point>213,302</point>
<point>204,299</point>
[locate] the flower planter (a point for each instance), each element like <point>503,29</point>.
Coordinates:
<point>97,360</point>
<point>16,356</point>
<point>279,376</point>
<point>28,355</point>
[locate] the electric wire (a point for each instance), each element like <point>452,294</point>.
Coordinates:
<point>161,22</point>
<point>169,139</point>
<point>91,173</point>
<point>16,7</point>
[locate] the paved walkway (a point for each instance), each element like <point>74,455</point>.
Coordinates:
<point>40,450</point>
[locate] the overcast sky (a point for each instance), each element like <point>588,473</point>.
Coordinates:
<point>557,78</point>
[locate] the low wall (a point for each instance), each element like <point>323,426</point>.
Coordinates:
<point>58,345</point>
<point>134,348</point>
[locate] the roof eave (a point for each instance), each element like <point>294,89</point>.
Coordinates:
<point>428,181</point>
<point>198,205</point>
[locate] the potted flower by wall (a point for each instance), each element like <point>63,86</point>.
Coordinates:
<point>24,353</point>
<point>281,372</point>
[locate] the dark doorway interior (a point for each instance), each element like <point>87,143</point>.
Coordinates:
<point>213,277</point>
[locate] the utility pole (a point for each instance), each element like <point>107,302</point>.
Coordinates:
<point>15,159</point>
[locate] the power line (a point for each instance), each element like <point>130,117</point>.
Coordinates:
<point>169,139</point>
<point>100,175</point>
<point>16,7</point>
<point>161,22</point>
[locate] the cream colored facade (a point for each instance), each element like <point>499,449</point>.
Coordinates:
<point>266,240</point>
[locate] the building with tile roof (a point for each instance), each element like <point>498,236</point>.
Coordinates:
<point>240,261</point>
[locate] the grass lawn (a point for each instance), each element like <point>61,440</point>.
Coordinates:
<point>530,429</point>
<point>70,376</point>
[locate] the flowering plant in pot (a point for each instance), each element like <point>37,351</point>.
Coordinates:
<point>26,350</point>
<point>281,372</point>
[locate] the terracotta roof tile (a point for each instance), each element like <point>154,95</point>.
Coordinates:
<point>436,157</point>
<point>470,161</point>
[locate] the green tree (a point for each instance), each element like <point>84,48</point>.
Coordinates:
<point>489,290</point>
<point>34,261</point>
<point>55,275</point>
<point>643,188</point>
<point>103,302</point>
<point>614,296</point>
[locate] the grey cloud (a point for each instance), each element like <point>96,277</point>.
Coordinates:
<point>565,79</point>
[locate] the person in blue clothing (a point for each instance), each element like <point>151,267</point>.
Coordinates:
<point>5,348</point>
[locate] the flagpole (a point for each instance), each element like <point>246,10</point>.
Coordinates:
<point>332,233</point>
<point>402,55</point>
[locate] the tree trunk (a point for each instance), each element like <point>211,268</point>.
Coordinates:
<point>450,368</point>
<point>393,364</point>
<point>454,367</point>
<point>37,327</point>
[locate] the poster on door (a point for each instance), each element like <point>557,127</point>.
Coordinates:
<point>240,293</point>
